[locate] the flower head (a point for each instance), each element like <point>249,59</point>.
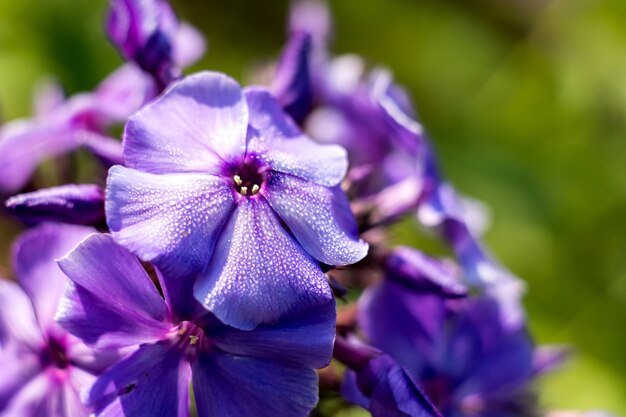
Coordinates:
<point>43,367</point>
<point>461,352</point>
<point>221,183</point>
<point>268,371</point>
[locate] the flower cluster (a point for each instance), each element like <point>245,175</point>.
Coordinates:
<point>203,278</point>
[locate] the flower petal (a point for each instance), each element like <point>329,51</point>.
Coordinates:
<point>77,204</point>
<point>188,45</point>
<point>196,125</point>
<point>19,366</point>
<point>171,220</point>
<point>302,339</point>
<point>18,322</point>
<point>24,144</point>
<point>277,140</point>
<point>228,385</point>
<point>319,217</point>
<point>152,382</point>
<point>402,322</point>
<point>34,258</point>
<point>292,84</point>
<point>258,272</point>
<point>112,302</point>
<point>41,396</point>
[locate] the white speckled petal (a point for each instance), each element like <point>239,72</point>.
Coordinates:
<point>280,143</point>
<point>196,125</point>
<point>258,271</point>
<point>319,217</point>
<point>170,220</point>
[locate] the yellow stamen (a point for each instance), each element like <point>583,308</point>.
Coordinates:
<point>255,189</point>
<point>237,179</point>
<point>244,190</point>
<point>193,340</point>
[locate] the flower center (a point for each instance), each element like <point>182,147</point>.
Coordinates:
<point>55,354</point>
<point>191,338</point>
<point>249,177</point>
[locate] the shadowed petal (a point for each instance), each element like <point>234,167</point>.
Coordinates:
<point>281,144</point>
<point>171,220</point>
<point>196,125</point>
<point>319,217</point>
<point>112,302</point>
<point>152,382</point>
<point>77,204</point>
<point>227,385</point>
<point>304,339</point>
<point>402,322</point>
<point>258,272</point>
<point>34,258</point>
<point>292,84</point>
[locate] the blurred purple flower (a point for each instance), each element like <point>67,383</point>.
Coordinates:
<point>43,367</point>
<point>148,33</point>
<point>75,204</point>
<point>377,383</point>
<point>63,126</point>
<point>268,371</point>
<point>459,351</point>
<point>215,174</point>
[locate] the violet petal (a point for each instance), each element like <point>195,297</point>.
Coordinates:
<point>72,203</point>
<point>248,387</point>
<point>125,311</point>
<point>319,217</point>
<point>196,125</point>
<point>171,220</point>
<point>281,144</point>
<point>258,272</point>
<point>152,382</point>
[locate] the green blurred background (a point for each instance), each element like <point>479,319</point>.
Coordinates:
<point>526,104</point>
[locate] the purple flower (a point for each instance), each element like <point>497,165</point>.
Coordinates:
<point>112,303</point>
<point>459,351</point>
<point>43,367</point>
<point>63,126</point>
<point>222,183</point>
<point>377,383</point>
<point>77,204</point>
<point>148,33</point>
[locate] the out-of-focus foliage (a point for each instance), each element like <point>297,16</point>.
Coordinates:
<point>525,102</point>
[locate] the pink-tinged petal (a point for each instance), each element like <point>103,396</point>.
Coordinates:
<point>123,92</point>
<point>110,302</point>
<point>18,323</point>
<point>72,203</point>
<point>171,220</point>
<point>302,339</point>
<point>42,396</point>
<point>19,366</point>
<point>258,272</point>
<point>313,17</point>
<point>276,139</point>
<point>72,403</point>
<point>319,217</point>
<point>196,125</point>
<point>227,385</point>
<point>152,382</point>
<point>188,45</point>
<point>90,360</point>
<point>24,144</point>
<point>34,258</point>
